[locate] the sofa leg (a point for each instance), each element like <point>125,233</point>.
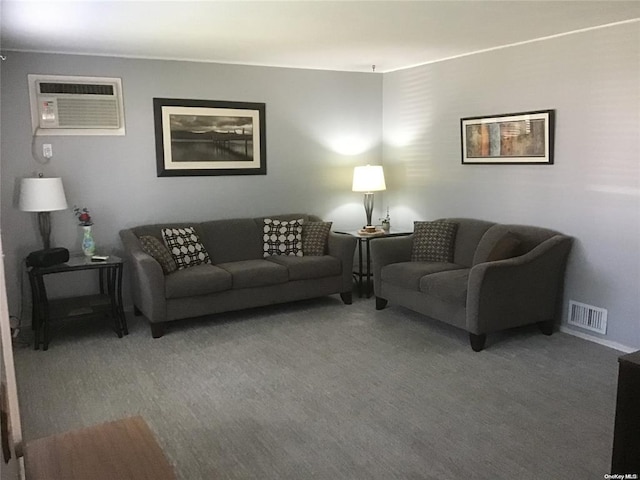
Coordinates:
<point>136,311</point>
<point>477,341</point>
<point>381,303</point>
<point>157,329</point>
<point>546,327</point>
<point>347,298</point>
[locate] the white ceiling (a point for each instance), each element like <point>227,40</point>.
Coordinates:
<point>330,35</point>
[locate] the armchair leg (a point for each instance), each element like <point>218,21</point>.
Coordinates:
<point>477,341</point>
<point>157,330</point>
<point>347,298</point>
<point>546,327</point>
<point>381,303</point>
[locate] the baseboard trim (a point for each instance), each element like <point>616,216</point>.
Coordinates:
<point>585,336</point>
<point>600,341</point>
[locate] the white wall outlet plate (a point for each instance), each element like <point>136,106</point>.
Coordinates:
<point>47,150</point>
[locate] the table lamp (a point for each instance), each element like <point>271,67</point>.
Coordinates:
<point>368,179</point>
<point>42,195</point>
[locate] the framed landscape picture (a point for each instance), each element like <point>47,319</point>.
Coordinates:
<point>208,137</point>
<point>515,138</point>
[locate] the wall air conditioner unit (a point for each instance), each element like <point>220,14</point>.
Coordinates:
<point>62,105</point>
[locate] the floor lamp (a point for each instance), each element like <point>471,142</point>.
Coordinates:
<point>42,195</point>
<point>368,179</point>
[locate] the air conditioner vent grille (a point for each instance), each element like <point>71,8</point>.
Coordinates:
<point>587,316</point>
<point>76,88</point>
<point>87,113</point>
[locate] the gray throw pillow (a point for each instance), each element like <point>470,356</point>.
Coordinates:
<point>185,247</point>
<point>282,237</point>
<point>433,241</point>
<point>157,250</point>
<point>315,236</point>
<point>508,246</point>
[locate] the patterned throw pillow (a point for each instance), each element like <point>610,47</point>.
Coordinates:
<point>433,241</point>
<point>282,238</point>
<point>157,250</point>
<point>314,238</point>
<point>185,246</point>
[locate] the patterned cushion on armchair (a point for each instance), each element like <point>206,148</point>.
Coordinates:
<point>433,241</point>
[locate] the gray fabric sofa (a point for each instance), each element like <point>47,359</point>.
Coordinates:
<point>238,276</point>
<point>472,293</point>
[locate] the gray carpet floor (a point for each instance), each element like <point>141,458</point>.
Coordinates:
<point>320,390</point>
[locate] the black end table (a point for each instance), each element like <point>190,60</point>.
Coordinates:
<point>107,301</point>
<point>363,280</point>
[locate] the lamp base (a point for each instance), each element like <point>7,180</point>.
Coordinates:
<point>44,225</point>
<point>368,207</point>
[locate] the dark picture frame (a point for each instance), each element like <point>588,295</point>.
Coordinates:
<point>524,138</point>
<point>209,137</point>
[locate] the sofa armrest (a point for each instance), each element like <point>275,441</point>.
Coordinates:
<point>518,291</point>
<point>342,246</point>
<point>388,250</point>
<point>147,279</point>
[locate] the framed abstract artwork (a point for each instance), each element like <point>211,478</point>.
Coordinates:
<point>207,137</point>
<point>515,138</point>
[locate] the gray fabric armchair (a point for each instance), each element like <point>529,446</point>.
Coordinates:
<point>476,292</point>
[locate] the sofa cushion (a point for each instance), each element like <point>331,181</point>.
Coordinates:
<point>282,237</point>
<point>529,237</point>
<point>408,274</point>
<point>315,236</point>
<point>508,246</point>
<point>287,217</point>
<point>255,273</point>
<point>197,280</point>
<point>185,246</point>
<point>159,252</point>
<point>433,241</point>
<point>468,236</point>
<point>303,268</point>
<point>232,240</point>
<point>450,286</point>
<point>155,229</point>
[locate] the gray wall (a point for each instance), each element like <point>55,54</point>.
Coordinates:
<point>592,80</point>
<point>319,126</point>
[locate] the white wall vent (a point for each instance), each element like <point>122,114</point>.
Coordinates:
<point>589,317</point>
<point>62,105</point>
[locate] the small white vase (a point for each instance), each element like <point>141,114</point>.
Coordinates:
<point>88,244</point>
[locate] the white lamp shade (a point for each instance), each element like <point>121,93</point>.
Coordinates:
<point>368,179</point>
<point>42,195</point>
